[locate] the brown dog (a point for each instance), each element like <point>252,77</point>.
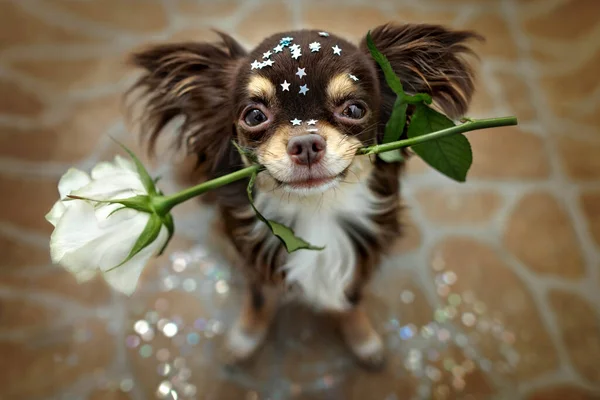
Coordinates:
<point>303,102</point>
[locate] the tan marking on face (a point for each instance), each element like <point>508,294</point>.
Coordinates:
<point>340,86</point>
<point>343,146</point>
<point>259,86</point>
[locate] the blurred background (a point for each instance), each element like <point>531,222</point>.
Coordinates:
<point>493,293</point>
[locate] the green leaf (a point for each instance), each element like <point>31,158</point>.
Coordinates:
<point>250,155</point>
<point>147,180</point>
<point>418,98</point>
<point>284,233</point>
<point>450,155</point>
<point>390,76</point>
<point>394,129</point>
<point>148,235</point>
<point>167,221</point>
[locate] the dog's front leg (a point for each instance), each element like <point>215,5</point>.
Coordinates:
<point>363,340</point>
<point>251,328</point>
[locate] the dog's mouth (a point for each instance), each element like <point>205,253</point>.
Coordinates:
<point>312,183</point>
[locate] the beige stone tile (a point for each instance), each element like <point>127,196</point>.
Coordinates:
<point>455,206</point>
<point>63,284</point>
<point>590,203</point>
<point>505,307</point>
<point>482,103</point>
<point>264,20</point>
<point>457,381</point>
<point>564,99</point>
<point>541,235</point>
<point>69,140</point>
<point>108,394</point>
<point>17,255</point>
<point>416,166</point>
<point>207,9</point>
<point>380,385</point>
<point>152,270</point>
<point>350,22</point>
<point>580,330</point>
<point>396,293</point>
<point>17,101</point>
<point>18,28</point>
<point>507,153</point>
<point>416,16</point>
<point>63,75</point>
<point>410,237</point>
<point>563,393</point>
<point>193,34</point>
<point>498,39</point>
<point>134,16</point>
<point>30,200</point>
<point>24,314</point>
<point>32,370</point>
<point>577,17</point>
<point>580,158</point>
<point>518,95</point>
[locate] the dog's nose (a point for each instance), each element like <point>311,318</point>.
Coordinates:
<point>306,149</point>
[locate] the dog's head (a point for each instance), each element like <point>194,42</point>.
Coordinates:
<point>302,102</point>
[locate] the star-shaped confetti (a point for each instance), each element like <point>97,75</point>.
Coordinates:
<point>301,72</point>
<point>354,78</point>
<point>286,39</point>
<point>256,64</point>
<point>337,50</point>
<point>278,48</point>
<point>303,90</point>
<point>267,54</point>
<point>311,122</point>
<point>285,86</point>
<point>268,63</point>
<point>296,121</point>
<point>314,46</point>
<point>324,34</point>
<point>294,47</point>
<point>296,54</point>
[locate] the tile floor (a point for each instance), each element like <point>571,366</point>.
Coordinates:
<point>493,294</point>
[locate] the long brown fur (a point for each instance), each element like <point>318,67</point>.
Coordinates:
<point>205,83</point>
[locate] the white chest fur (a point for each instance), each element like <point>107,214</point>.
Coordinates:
<point>322,276</point>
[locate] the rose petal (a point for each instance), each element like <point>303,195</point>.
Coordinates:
<point>125,278</point>
<point>56,212</point>
<point>72,180</point>
<point>125,163</point>
<point>108,243</point>
<point>122,185</point>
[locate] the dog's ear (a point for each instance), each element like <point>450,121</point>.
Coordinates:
<point>428,59</point>
<point>193,81</point>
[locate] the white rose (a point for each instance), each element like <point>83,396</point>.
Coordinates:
<point>91,236</point>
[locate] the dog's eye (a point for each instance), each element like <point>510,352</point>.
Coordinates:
<point>255,117</point>
<point>354,111</point>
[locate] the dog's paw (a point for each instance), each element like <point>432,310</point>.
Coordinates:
<point>241,345</point>
<point>370,352</point>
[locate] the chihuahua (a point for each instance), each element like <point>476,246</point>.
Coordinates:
<point>302,103</point>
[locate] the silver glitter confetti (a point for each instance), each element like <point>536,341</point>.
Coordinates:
<point>301,72</point>
<point>303,90</point>
<point>255,65</point>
